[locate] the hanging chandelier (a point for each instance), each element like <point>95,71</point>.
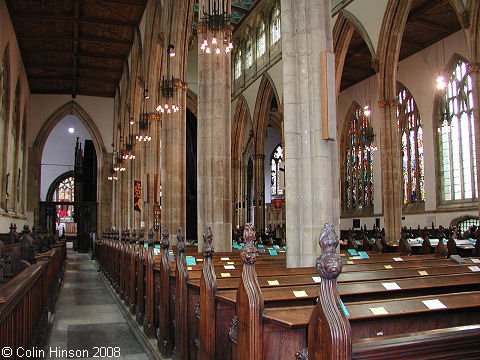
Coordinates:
<point>168,86</point>
<point>216,19</point>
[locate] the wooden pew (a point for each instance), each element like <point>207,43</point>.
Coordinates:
<point>282,330</point>
<point>24,302</point>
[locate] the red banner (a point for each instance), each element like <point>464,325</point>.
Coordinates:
<point>137,195</point>
<point>277,203</point>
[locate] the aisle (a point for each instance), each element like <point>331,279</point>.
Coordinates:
<point>87,321</point>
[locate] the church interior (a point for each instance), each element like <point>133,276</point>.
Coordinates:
<point>239,179</point>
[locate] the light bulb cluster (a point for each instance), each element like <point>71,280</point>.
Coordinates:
<point>371,148</point>
<point>167,108</point>
<point>214,46</point>
<point>143,138</point>
<point>128,156</point>
<point>441,84</point>
<point>366,110</point>
<point>111,178</point>
<point>118,168</point>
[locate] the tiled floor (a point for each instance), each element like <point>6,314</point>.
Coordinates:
<point>87,321</point>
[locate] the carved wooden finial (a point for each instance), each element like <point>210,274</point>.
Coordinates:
<point>150,237</point>
<point>133,238</point>
<point>127,235</point>
<point>249,250</point>
<point>329,332</point>
<point>329,265</point>
<point>140,236</point>
<point>165,242</point>
<point>207,242</point>
<point>180,240</point>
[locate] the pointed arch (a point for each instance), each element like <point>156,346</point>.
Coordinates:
<point>74,108</point>
<point>357,163</point>
<point>343,30</point>
<point>35,157</point>
<point>15,147</point>
<point>261,115</point>
<point>411,149</point>
<point>55,183</point>
<point>456,135</point>
<point>5,117</point>
<point>192,102</point>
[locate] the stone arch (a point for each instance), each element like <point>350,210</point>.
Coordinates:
<point>240,119</point>
<point>5,113</point>
<point>388,51</point>
<point>35,157</point>
<point>192,102</point>
<point>54,185</point>
<point>261,115</point>
<point>343,31</point>
<point>15,136</point>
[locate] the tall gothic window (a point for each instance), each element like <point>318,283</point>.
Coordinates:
<point>276,180</point>
<point>358,163</point>
<point>275,25</point>
<point>4,122</point>
<point>238,65</point>
<point>261,44</point>
<point>249,55</point>
<point>456,132</point>
<point>411,136</point>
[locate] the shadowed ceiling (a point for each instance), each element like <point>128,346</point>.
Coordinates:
<point>428,21</point>
<point>80,47</point>
<point>76,47</point>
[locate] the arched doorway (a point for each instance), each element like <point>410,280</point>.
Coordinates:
<point>89,154</point>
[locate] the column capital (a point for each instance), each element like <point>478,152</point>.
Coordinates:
<point>387,103</point>
<point>473,67</point>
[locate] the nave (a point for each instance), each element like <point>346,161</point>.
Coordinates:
<point>87,318</point>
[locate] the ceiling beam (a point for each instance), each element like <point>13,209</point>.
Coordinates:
<point>81,38</point>
<point>42,17</point>
<point>430,25</point>
<point>36,66</point>
<point>128,2</point>
<point>427,6</point>
<point>40,53</point>
<point>96,80</point>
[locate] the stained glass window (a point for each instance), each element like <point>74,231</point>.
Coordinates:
<point>358,163</point>
<point>65,192</point>
<point>275,25</point>
<point>411,137</point>
<point>456,133</point>
<point>261,44</point>
<point>276,180</point>
<point>249,55</point>
<point>238,64</point>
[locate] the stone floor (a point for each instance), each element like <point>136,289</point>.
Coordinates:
<point>88,322</point>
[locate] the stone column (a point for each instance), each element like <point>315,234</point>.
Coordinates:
<point>259,186</point>
<point>473,70</point>
<point>311,164</point>
<point>391,177</point>
<point>174,124</point>
<point>214,201</point>
<point>173,168</point>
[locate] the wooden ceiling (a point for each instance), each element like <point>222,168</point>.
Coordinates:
<point>80,47</point>
<point>76,47</point>
<point>429,21</point>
